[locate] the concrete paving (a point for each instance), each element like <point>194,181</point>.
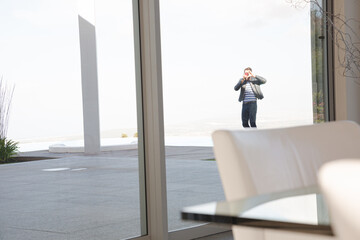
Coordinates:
<point>97,197</point>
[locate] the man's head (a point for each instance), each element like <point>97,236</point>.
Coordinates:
<point>247,71</point>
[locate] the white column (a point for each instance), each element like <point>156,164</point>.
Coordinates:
<point>89,77</point>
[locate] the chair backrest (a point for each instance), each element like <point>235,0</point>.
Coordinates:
<point>340,183</point>
<point>257,161</point>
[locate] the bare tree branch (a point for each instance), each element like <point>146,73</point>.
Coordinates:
<point>346,39</point>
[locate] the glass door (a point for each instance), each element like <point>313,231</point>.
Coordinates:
<point>53,189</point>
<point>206,45</point>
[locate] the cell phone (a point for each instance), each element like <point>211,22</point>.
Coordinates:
<point>246,74</point>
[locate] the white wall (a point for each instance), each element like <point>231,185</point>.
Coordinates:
<point>347,89</point>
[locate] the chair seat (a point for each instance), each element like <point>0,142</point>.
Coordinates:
<point>340,184</point>
<point>252,162</point>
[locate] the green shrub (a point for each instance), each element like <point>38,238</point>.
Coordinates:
<point>318,107</point>
<point>8,150</point>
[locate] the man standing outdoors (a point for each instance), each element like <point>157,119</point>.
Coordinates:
<point>250,92</point>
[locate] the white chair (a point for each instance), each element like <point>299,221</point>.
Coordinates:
<point>340,183</point>
<point>252,162</point>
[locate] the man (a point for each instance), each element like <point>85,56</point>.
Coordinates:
<point>250,92</point>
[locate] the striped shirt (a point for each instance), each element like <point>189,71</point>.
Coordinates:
<point>249,94</point>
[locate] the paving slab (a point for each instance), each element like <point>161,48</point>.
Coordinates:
<point>75,196</point>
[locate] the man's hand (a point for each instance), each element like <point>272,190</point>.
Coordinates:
<point>246,75</point>
<point>251,74</point>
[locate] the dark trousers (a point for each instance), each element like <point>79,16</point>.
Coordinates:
<point>249,110</point>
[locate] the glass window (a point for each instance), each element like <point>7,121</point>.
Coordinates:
<point>63,193</point>
<point>319,62</point>
<point>206,45</point>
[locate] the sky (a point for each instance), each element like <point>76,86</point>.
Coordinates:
<point>205,47</point>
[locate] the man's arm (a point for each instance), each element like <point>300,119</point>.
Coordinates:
<point>259,80</point>
<point>239,84</point>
